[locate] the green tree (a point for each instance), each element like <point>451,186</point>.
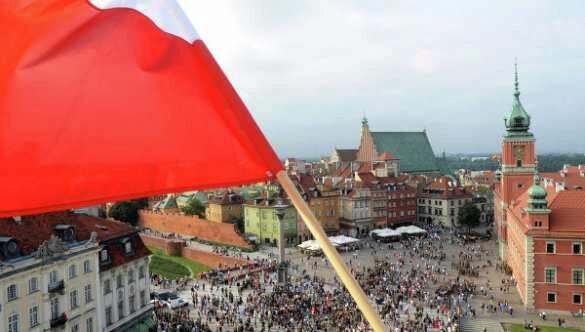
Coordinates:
<point>194,207</point>
<point>126,211</point>
<point>469,216</point>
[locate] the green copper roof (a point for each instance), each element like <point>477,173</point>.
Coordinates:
<point>412,148</point>
<point>536,191</point>
<point>517,120</point>
<point>537,197</point>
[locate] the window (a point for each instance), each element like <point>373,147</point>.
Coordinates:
<point>119,283</point>
<point>577,248</point>
<point>577,298</point>
<point>55,308</point>
<point>551,297</point>
<point>131,303</point>
<point>128,247</point>
<point>33,316</point>
<point>75,328</point>
<point>142,298</point>
<point>578,277</point>
<point>104,256</point>
<point>89,325</point>
<point>73,302</point>
<point>53,276</point>
<point>130,276</point>
<point>87,266</point>
<point>87,292</point>
<point>13,322</point>
<point>120,308</point>
<point>107,286</point>
<point>11,292</point>
<point>550,248</point>
<point>33,285</point>
<point>72,271</point>
<point>109,318</point>
<point>550,275</point>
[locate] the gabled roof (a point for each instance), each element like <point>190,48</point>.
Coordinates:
<point>446,187</point>
<point>346,154</point>
<point>412,148</point>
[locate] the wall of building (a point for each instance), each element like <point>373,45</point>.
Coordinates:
<point>441,210</point>
<point>261,221</point>
<point>221,233</point>
<point>565,262</point>
<point>223,212</point>
<point>516,256</point>
<point>136,290</point>
<point>26,299</point>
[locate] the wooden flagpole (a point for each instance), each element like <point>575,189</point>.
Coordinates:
<point>332,255</point>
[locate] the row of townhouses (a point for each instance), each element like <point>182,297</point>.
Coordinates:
<point>72,272</point>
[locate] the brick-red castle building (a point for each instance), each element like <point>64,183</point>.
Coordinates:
<point>540,221</point>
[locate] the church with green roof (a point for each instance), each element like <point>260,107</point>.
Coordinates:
<point>411,148</point>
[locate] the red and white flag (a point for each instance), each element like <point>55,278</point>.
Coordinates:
<point>104,100</point>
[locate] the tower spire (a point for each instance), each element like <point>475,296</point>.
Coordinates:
<point>516,90</point>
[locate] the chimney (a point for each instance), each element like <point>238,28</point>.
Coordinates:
<point>560,186</point>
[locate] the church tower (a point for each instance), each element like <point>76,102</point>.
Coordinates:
<point>518,154</point>
<point>366,150</point>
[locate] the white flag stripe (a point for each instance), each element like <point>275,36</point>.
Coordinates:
<point>168,15</point>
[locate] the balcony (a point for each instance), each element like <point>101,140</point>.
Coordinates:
<point>58,286</point>
<point>59,320</point>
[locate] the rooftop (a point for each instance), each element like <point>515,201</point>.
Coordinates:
<point>412,148</point>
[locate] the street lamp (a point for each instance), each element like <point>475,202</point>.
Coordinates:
<point>280,210</point>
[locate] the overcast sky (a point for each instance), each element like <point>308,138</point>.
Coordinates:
<point>310,70</point>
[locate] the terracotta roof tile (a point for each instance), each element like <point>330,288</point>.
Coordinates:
<point>387,156</point>
<point>31,231</point>
<point>571,176</point>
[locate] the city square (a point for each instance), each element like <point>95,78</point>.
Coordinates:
<point>429,293</point>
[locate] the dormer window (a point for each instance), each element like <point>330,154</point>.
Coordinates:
<point>128,246</point>
<point>65,232</point>
<point>9,247</point>
<point>104,256</point>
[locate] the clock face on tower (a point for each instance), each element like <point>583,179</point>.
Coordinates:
<point>519,152</point>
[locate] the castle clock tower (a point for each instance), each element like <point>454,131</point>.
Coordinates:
<point>518,154</point>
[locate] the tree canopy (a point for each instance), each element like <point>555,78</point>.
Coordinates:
<point>127,211</point>
<point>194,207</point>
<point>469,216</point>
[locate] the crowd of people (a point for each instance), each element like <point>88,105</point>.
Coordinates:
<point>411,282</point>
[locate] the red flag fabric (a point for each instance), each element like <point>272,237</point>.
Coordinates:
<point>103,102</point>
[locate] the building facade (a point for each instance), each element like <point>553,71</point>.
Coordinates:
<point>46,288</point>
<point>54,269</point>
<point>356,214</point>
<point>262,224</point>
<point>224,207</point>
<point>440,201</point>
<point>539,223</point>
